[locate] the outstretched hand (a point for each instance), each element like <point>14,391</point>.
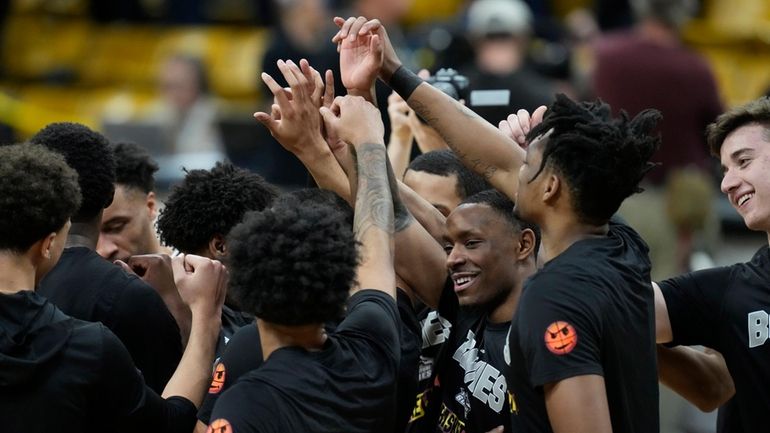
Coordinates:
<point>294,119</point>
<point>518,125</point>
<point>365,52</point>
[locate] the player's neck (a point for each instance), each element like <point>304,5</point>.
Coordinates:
<point>16,273</point>
<point>559,233</point>
<point>84,233</point>
<point>274,337</point>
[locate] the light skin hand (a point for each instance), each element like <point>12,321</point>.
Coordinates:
<point>399,112</point>
<point>354,120</point>
<point>390,61</point>
<point>518,125</point>
<point>294,120</point>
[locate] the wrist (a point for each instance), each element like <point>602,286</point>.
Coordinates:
<point>404,82</point>
<point>312,149</point>
<point>389,67</point>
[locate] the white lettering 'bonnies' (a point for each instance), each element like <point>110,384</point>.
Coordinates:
<point>435,329</point>
<point>484,381</point>
<point>759,331</point>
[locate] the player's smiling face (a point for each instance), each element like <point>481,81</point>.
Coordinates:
<point>481,247</point>
<point>745,158</point>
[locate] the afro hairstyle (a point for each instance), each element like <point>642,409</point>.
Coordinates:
<point>38,194</point>
<point>294,263</point>
<point>320,196</point>
<point>209,203</point>
<point>445,163</point>
<point>504,206</point>
<point>602,159</point>
<point>89,153</point>
<point>134,168</point>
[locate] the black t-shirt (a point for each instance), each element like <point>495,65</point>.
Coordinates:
<point>435,332</point>
<point>349,385</point>
<point>244,353</point>
<point>87,287</point>
<point>590,310</point>
<point>471,388</point>
<point>66,375</point>
<point>728,309</point>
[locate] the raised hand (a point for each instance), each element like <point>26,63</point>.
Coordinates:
<point>294,119</point>
<point>518,125</point>
<point>354,120</point>
<point>382,55</point>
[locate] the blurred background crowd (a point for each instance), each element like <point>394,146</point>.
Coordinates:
<point>181,78</point>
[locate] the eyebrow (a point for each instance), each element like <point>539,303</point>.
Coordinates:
<point>737,155</point>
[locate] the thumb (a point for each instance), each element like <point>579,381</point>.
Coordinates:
<point>328,116</point>
<point>264,119</point>
<point>375,44</point>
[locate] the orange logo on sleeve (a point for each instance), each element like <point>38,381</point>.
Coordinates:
<point>218,379</point>
<point>560,338</point>
<point>220,425</point>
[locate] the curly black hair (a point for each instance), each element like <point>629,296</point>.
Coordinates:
<point>294,263</point>
<point>89,153</point>
<point>446,163</point>
<point>209,203</point>
<point>504,206</point>
<point>134,167</point>
<point>601,158</point>
<point>38,194</point>
<point>320,196</point>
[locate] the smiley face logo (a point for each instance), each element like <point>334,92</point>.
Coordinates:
<point>218,379</point>
<point>220,425</point>
<point>560,338</point>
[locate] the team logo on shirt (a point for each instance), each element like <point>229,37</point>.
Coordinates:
<point>220,425</point>
<point>759,328</point>
<point>462,398</point>
<point>560,338</point>
<point>435,329</point>
<point>218,379</point>
<point>484,381</point>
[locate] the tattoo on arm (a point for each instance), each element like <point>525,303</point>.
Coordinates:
<point>374,203</point>
<point>483,168</point>
<point>402,217</point>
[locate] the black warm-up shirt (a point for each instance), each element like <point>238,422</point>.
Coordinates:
<point>728,309</point>
<point>59,374</point>
<point>471,391</point>
<point>589,311</point>
<point>349,385</point>
<point>87,287</point>
<point>244,354</point>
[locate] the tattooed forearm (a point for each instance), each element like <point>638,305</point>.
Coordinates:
<point>374,203</point>
<point>402,217</point>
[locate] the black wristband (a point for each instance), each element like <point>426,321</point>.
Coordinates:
<point>404,82</point>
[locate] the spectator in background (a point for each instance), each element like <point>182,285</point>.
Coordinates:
<point>188,112</point>
<point>127,227</point>
<point>648,67</point>
<point>499,31</point>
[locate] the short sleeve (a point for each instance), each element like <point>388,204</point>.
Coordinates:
<point>242,354</point>
<point>244,410</point>
<point>149,332</point>
<point>372,315</point>
<point>694,302</point>
<point>559,329</point>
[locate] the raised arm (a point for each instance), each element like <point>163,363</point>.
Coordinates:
<point>296,123</point>
<point>480,145</point>
<point>358,123</point>
<point>202,284</point>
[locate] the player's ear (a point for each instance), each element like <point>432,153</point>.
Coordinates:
<point>526,244</point>
<point>217,247</point>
